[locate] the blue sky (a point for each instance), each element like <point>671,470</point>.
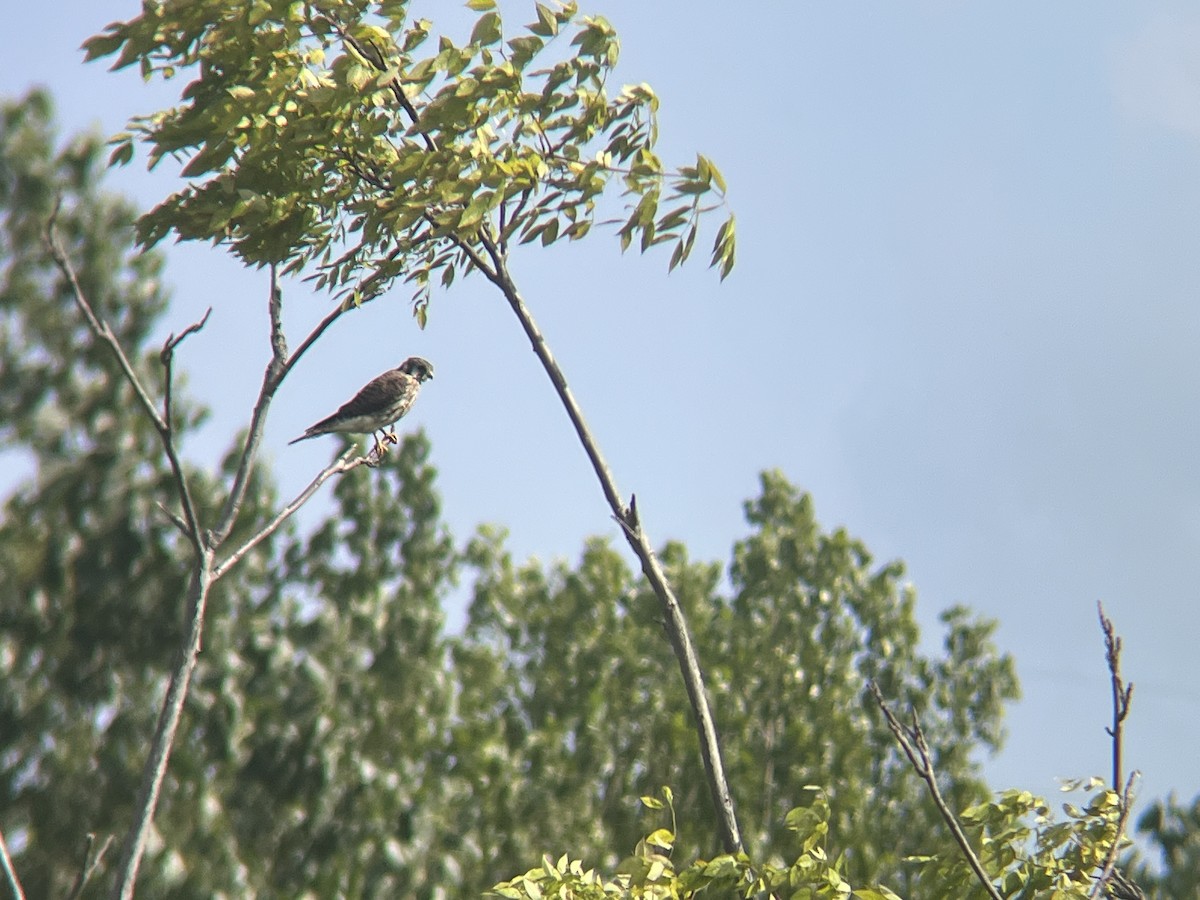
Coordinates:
<point>966,317</point>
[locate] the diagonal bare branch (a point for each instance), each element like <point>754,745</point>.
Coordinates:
<point>277,368</point>
<point>164,733</point>
<point>10,872</point>
<point>99,328</point>
<point>495,267</point>
<point>102,331</point>
<point>91,862</point>
<point>341,465</point>
<point>911,739</point>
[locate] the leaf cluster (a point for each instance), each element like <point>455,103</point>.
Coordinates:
<point>650,873</point>
<point>1026,851</point>
<point>1028,854</point>
<point>331,138</point>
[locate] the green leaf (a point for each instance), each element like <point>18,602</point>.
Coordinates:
<point>481,5</point>
<point>104,44</point>
<point>486,30</point>
<point>213,156</point>
<point>122,153</point>
<point>547,23</point>
<point>661,837</point>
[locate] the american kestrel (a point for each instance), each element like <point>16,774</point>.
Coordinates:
<point>382,402</point>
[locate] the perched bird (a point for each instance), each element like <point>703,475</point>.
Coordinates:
<point>382,402</point>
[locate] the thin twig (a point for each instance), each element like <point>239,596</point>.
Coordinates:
<point>167,433</point>
<point>167,355</point>
<point>89,865</point>
<point>912,741</point>
<point>1122,695</point>
<point>339,466</point>
<point>1110,858</point>
<point>277,368</point>
<point>102,331</point>
<point>175,520</point>
<point>10,872</point>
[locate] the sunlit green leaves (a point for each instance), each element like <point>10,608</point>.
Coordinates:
<point>1025,851</point>
<point>376,163</point>
<point>651,872</point>
<point>724,248</point>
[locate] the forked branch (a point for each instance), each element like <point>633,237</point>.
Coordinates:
<point>1110,879</point>
<point>911,739</point>
<point>204,544</point>
<point>92,858</point>
<point>161,421</point>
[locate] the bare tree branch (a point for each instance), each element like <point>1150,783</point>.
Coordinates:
<point>175,520</point>
<point>164,733</point>
<point>168,720</point>
<point>205,545</point>
<point>102,331</point>
<point>495,268</point>
<point>89,864</point>
<point>1122,697</point>
<point>167,356</point>
<point>339,466</point>
<point>204,572</point>
<point>912,741</point>
<point>277,368</point>
<point>10,872</point>
<point>167,433</point>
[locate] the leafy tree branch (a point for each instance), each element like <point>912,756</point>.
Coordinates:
<point>205,544</point>
<point>412,168</point>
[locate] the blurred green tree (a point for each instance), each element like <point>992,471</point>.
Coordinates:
<point>563,672</point>
<point>86,559</point>
<point>1170,830</point>
<point>315,653</point>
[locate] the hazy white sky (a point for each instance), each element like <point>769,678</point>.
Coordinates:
<point>966,317</point>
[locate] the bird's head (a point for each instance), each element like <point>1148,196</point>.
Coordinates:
<point>418,368</point>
